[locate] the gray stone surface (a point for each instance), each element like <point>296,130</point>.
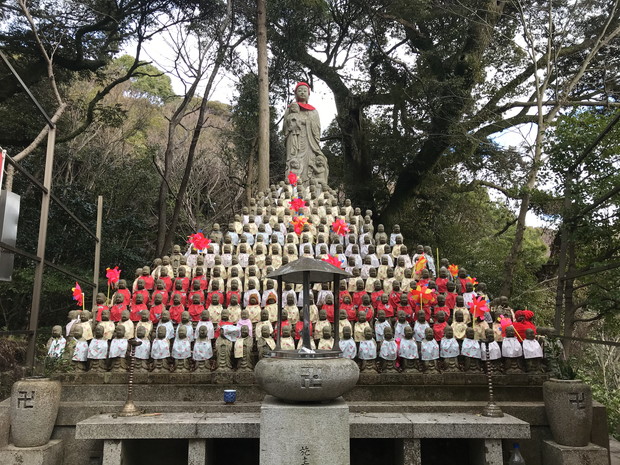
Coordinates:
<point>486,452</point>
<point>462,425</point>
<point>556,454</point>
<point>5,424</point>
<point>48,454</point>
<point>306,380</point>
<point>197,452</point>
<point>112,452</point>
<point>33,410</point>
<point>304,433</point>
<point>569,411</point>
<point>412,453</point>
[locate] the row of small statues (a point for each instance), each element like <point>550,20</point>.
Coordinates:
<point>204,346</point>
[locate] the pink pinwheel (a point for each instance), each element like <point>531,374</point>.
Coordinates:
<point>478,307</point>
<point>113,275</point>
<point>78,296</point>
<point>504,324</point>
<point>298,224</point>
<point>292,178</point>
<point>333,260</point>
<point>297,204</point>
<point>340,227</point>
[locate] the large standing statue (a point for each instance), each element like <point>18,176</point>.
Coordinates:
<point>302,130</point>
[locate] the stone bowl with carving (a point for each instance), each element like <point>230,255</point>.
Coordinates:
<point>292,377</point>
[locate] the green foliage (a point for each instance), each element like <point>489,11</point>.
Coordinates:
<point>148,82</point>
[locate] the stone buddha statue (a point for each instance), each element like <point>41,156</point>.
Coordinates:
<point>302,131</point>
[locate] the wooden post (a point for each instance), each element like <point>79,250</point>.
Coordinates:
<point>39,268</point>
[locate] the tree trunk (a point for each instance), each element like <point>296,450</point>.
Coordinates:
<point>358,172</point>
<point>263,97</point>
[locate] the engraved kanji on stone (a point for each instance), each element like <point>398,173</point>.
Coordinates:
<point>577,400</point>
<point>311,377</point>
<point>25,399</point>
<point>305,453</point>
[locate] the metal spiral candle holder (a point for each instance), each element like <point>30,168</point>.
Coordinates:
<point>130,409</point>
<point>492,409</point>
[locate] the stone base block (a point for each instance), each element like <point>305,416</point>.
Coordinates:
<point>304,433</point>
<point>556,454</point>
<point>49,454</point>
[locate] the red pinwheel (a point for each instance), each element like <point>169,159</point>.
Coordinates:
<point>454,270</point>
<point>292,178</point>
<point>113,275</point>
<point>420,263</point>
<point>333,260</point>
<point>298,224</point>
<point>297,204</point>
<point>199,241</point>
<point>469,279</point>
<point>77,294</point>
<point>478,307</point>
<point>340,227</point>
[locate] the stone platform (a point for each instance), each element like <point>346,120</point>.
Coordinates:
<point>409,428</point>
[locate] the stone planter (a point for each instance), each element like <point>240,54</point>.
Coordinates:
<point>568,404</point>
<point>34,406</point>
<point>310,380</point>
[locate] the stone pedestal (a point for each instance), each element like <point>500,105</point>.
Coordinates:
<point>48,454</point>
<point>556,454</point>
<point>307,434</point>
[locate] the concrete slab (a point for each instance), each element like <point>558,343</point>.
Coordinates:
<point>380,425</point>
<point>467,426</point>
<point>49,454</point>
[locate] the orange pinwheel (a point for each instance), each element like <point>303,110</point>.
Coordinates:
<point>478,307</point>
<point>454,270</point>
<point>77,294</point>
<point>113,275</point>
<point>292,178</point>
<point>340,227</point>
<point>297,204</point>
<point>333,260</point>
<point>298,224</point>
<point>420,264</point>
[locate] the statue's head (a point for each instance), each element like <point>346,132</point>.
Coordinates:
<point>302,92</point>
